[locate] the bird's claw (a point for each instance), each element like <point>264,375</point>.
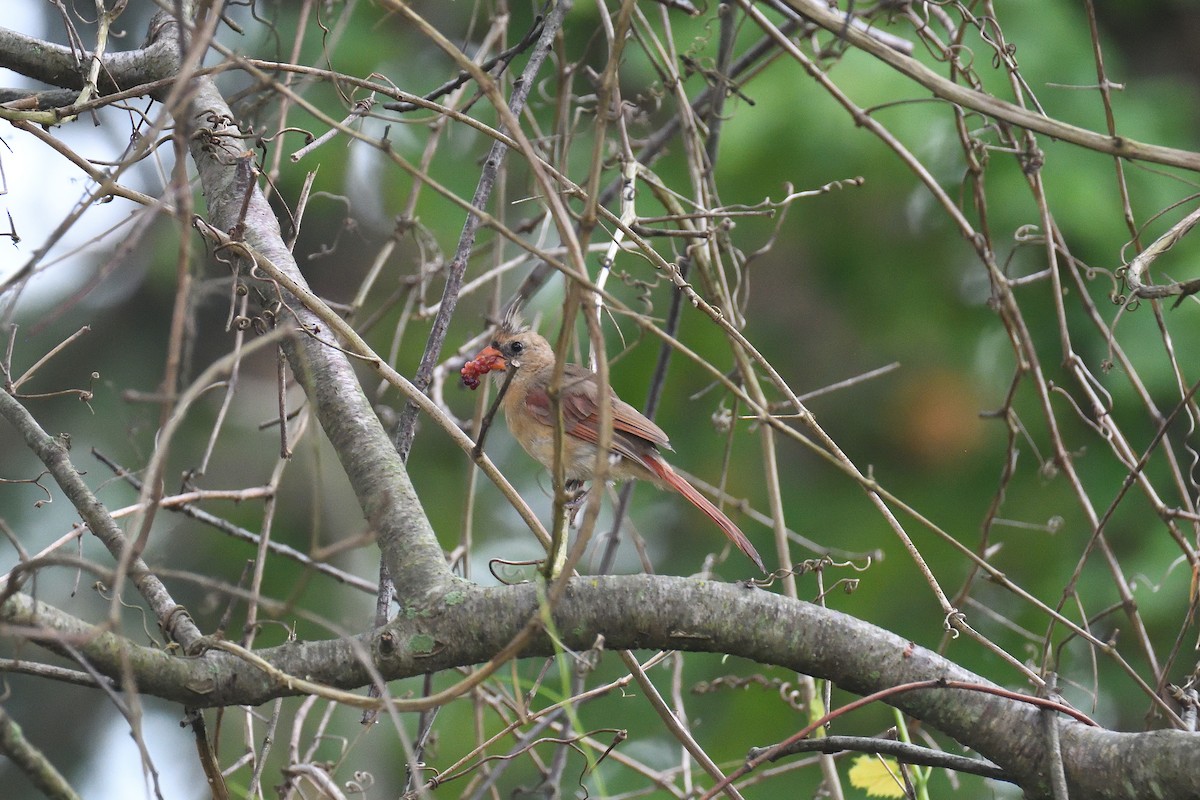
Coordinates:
<point>576,493</point>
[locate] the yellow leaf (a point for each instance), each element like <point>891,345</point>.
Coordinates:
<point>879,776</point>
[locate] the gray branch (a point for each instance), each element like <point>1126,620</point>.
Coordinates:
<point>58,65</point>
<point>172,618</point>
<point>378,476</point>
<point>658,612</point>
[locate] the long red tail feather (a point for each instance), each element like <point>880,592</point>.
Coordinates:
<point>671,478</point>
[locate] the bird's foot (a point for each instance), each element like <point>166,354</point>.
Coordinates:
<point>576,493</point>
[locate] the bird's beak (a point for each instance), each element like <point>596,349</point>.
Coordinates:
<point>491,359</point>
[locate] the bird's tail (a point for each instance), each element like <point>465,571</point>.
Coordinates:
<point>663,471</point>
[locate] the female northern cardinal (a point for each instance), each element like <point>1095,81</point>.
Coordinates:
<point>635,439</point>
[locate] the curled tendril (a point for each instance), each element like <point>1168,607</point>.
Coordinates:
<point>495,563</point>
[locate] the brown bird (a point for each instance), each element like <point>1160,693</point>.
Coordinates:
<point>635,439</point>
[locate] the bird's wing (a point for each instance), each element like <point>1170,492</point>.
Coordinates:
<point>632,431</point>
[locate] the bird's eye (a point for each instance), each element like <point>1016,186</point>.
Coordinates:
<point>517,347</point>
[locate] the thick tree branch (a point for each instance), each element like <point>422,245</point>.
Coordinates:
<point>172,618</point>
<point>375,471</point>
<point>61,66</point>
<point>658,612</point>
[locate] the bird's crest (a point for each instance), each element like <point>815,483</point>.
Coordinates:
<point>512,323</point>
